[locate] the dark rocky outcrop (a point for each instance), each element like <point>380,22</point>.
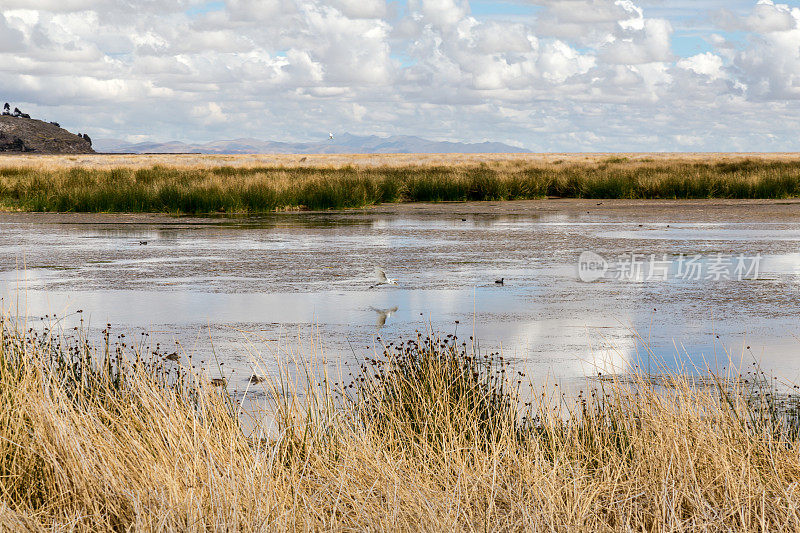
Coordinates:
<point>19,134</point>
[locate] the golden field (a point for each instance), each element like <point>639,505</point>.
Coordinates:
<point>199,184</point>
<point>108,161</point>
<point>430,436</point>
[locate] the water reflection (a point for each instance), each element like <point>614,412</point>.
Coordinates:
<point>265,287</point>
<point>383,315</point>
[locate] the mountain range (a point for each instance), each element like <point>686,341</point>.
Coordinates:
<point>340,144</point>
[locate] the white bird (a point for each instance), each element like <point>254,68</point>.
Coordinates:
<point>330,136</point>
<point>383,314</point>
<point>382,279</point>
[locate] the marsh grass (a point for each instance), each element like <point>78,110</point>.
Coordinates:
<point>427,435</point>
<point>259,189</point>
<point>417,384</point>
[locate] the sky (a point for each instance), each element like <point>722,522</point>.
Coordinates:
<point>546,75</point>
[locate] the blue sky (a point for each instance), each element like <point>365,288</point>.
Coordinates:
<point>548,75</point>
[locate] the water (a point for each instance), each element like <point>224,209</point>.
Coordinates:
<point>249,292</point>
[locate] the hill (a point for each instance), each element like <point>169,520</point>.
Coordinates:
<point>18,135</point>
<point>341,144</point>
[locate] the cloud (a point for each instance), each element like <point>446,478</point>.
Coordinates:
<point>636,45</point>
<point>11,40</point>
<point>572,75</point>
<point>706,64</point>
<point>210,113</point>
<point>440,13</point>
<point>768,66</point>
<point>767,17</point>
<point>361,8</point>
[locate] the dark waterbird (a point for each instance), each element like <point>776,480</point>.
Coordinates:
<point>500,281</point>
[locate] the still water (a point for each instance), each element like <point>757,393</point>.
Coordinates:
<point>252,291</point>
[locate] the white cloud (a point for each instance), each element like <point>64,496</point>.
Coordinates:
<point>706,64</point>
<point>769,66</point>
<point>768,17</point>
<point>440,13</point>
<point>361,8</point>
<point>210,113</point>
<point>558,62</point>
<point>11,40</point>
<point>646,44</point>
<point>575,74</point>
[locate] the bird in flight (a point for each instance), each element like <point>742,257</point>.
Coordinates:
<point>382,279</point>
<point>330,136</point>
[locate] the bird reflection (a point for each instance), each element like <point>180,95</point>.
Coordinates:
<point>384,314</point>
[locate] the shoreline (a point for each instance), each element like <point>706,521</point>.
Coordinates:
<point>661,207</point>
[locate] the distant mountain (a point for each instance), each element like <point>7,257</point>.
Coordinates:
<point>341,144</point>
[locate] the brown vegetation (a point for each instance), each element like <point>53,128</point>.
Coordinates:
<point>426,438</point>
<point>256,189</point>
<point>201,161</point>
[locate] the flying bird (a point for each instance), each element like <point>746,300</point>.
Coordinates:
<point>382,279</point>
<point>383,314</point>
<point>330,136</point>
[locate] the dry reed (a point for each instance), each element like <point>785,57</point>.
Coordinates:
<point>234,188</point>
<point>415,444</point>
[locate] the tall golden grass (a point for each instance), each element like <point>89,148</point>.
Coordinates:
<point>204,161</point>
<point>407,447</point>
<point>232,187</point>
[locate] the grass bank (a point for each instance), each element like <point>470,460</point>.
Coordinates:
<point>429,436</point>
<point>239,189</point>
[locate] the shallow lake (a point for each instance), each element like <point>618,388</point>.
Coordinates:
<point>683,283</point>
